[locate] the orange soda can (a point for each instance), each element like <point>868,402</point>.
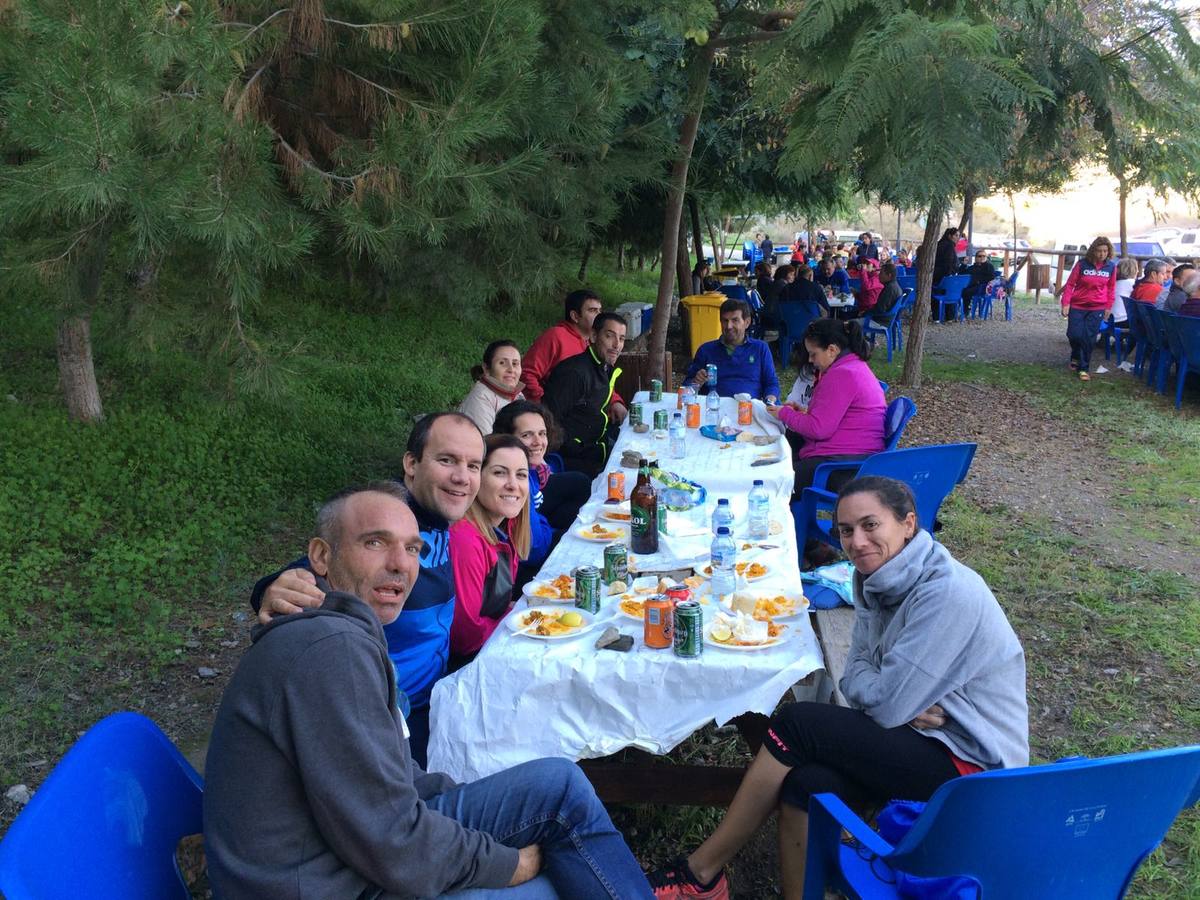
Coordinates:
<point>745,413</point>
<point>616,486</point>
<point>659,613</point>
<point>693,415</point>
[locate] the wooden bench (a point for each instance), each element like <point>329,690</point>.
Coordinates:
<point>833,627</point>
<point>636,375</point>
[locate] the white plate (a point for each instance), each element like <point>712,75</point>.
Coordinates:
<point>614,534</point>
<point>611,511</point>
<point>621,612</point>
<point>520,619</point>
<point>536,599</point>
<point>774,642</point>
<point>801,605</point>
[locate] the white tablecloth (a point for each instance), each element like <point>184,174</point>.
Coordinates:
<point>524,698</point>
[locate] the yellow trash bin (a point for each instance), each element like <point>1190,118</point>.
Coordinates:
<point>704,317</point>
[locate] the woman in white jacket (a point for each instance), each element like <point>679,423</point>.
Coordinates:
<point>935,681</point>
<point>497,384</point>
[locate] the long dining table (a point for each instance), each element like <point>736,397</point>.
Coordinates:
<point>524,697</point>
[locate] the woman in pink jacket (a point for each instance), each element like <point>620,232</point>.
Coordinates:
<point>844,420</point>
<point>487,544</point>
<point>1086,298</point>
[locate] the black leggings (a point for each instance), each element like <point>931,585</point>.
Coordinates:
<point>806,468</point>
<point>563,495</point>
<point>831,749</point>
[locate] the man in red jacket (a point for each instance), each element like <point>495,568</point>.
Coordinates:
<point>562,340</point>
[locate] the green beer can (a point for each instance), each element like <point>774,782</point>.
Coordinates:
<point>660,420</point>
<point>656,390</point>
<point>635,414</point>
<point>616,564</point>
<point>689,627</point>
<point>587,588</point>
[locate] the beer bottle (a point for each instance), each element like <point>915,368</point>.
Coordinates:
<point>643,509</point>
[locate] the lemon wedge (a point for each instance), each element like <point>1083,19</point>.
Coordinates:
<point>721,632</point>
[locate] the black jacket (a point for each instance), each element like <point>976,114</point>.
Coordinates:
<point>945,262</point>
<point>578,393</point>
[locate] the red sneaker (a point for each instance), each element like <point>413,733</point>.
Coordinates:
<point>677,881</point>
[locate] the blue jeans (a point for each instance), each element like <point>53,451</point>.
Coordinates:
<point>1082,327</point>
<point>548,802</point>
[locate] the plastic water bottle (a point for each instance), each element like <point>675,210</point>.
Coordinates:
<point>678,437</point>
<point>712,375</point>
<point>722,516</point>
<point>724,560</point>
<point>713,415</point>
<point>759,520</point>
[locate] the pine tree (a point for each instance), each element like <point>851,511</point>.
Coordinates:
<point>117,141</point>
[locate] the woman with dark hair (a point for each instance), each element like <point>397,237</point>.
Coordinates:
<point>555,497</point>
<point>945,261</point>
<point>1086,298</point>
<point>764,277</point>
<point>497,383</point>
<point>487,544</point>
<point>701,276</point>
<point>934,679</point>
<point>844,420</point>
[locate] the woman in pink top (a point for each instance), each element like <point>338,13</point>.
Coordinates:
<point>487,544</point>
<point>1086,298</point>
<point>845,416</point>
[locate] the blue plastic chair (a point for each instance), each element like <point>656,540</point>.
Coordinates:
<point>1114,334</point>
<point>895,420</point>
<point>735,292</point>
<point>106,821</point>
<point>888,326</point>
<point>1139,331</point>
<point>795,318</point>
<point>907,282</point>
<point>932,473</point>
<point>1078,828</point>
<point>855,285</point>
<point>1183,333</point>
<point>949,293</point>
<point>1163,358</point>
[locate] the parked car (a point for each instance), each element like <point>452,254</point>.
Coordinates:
<point>1185,246</point>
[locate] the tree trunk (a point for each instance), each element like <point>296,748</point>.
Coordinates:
<point>641,262</point>
<point>583,263</point>
<point>1123,195</point>
<point>76,371</point>
<point>620,257</point>
<point>683,270</point>
<point>718,256</point>
<point>697,233</point>
<point>969,196</point>
<point>915,350</point>
<point>698,85</point>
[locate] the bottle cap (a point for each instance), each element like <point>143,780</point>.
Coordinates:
<point>723,502</point>
<point>722,530</point>
<point>758,482</point>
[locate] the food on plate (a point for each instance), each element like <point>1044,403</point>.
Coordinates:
<point>599,533</point>
<point>693,581</point>
<point>748,569</point>
<point>617,587</point>
<point>764,608</point>
<point>551,624</point>
<point>742,630</point>
<point>635,608</point>
<point>617,515</point>
<point>560,588</point>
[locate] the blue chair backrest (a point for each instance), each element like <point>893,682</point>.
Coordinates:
<point>106,821</point>
<point>931,472</point>
<point>1153,329</point>
<point>907,281</point>
<point>895,418</point>
<point>855,284</point>
<point>795,317</point>
<point>1188,330</point>
<point>953,286</point>
<point>1077,828</point>
<point>1010,284</point>
<point>735,292</point>
<point>1173,335</point>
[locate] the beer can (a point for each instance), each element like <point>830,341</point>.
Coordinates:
<point>693,415</point>
<point>689,626</point>
<point>712,375</point>
<point>656,390</point>
<point>635,414</point>
<point>616,485</point>
<point>745,412</point>
<point>681,398</point>
<point>616,564</point>
<point>659,614</point>
<point>660,420</point>
<point>661,513</point>
<point>587,588</point>
<point>679,593</point>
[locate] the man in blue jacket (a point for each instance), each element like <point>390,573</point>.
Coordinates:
<point>744,364</point>
<point>441,471</point>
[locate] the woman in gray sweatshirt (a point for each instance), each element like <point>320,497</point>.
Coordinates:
<point>935,679</point>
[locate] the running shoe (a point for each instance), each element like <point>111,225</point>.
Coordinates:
<point>676,882</point>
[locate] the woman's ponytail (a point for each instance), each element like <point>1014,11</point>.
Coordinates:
<point>856,340</point>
